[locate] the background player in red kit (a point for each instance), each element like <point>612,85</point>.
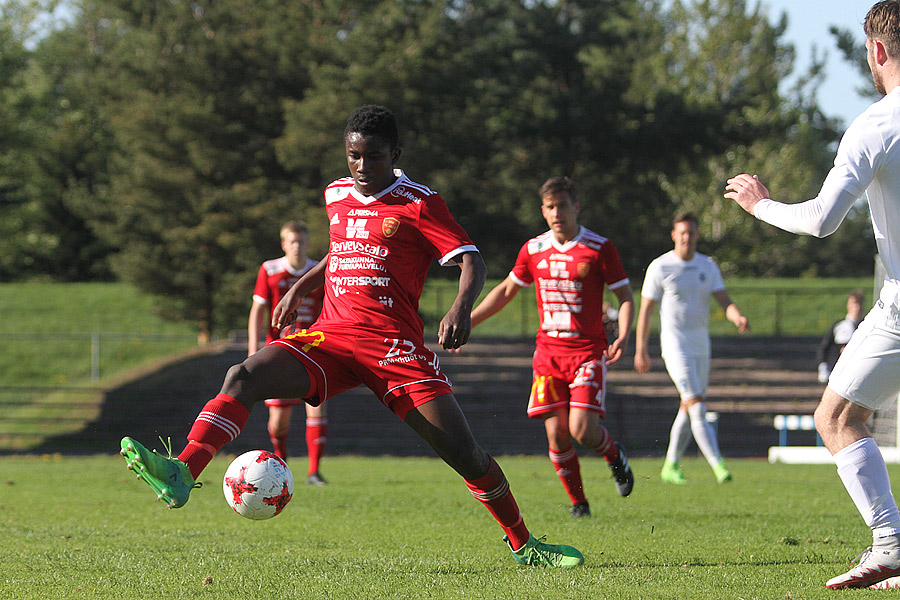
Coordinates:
<point>570,265</point>
<point>275,278</point>
<point>385,230</point>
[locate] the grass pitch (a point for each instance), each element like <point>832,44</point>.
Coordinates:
<point>408,528</point>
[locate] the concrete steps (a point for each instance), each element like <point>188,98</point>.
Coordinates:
<point>752,380</point>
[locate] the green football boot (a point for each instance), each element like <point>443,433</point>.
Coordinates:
<point>537,552</point>
<point>168,477</point>
<point>671,473</point>
<point>723,475</point>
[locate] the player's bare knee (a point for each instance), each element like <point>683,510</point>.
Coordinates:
<point>235,375</point>
<point>827,421</point>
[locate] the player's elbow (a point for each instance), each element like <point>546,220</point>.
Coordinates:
<point>824,229</point>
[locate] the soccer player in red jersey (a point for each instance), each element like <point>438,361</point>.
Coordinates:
<point>570,265</point>
<point>385,231</point>
<point>275,278</point>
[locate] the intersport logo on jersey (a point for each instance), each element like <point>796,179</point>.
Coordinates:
<point>360,247</point>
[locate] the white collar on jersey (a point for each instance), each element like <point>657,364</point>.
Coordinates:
<point>568,245</point>
<point>296,272</point>
<point>398,173</point>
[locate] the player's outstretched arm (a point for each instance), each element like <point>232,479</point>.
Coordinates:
<point>642,335</point>
<point>495,300</point>
<point>616,349</point>
<point>456,325</point>
<point>284,312</point>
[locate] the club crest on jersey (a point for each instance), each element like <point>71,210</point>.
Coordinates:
<point>583,269</point>
<point>389,226</point>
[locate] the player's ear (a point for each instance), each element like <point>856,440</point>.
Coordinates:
<point>395,155</point>
<point>881,53</point>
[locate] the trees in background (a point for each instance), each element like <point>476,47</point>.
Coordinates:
<point>164,143</point>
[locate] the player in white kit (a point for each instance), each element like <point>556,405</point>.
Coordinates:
<point>681,282</point>
<point>866,376</point>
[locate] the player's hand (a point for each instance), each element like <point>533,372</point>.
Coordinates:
<point>454,330</point>
<point>615,351</point>
<point>642,362</point>
<point>284,313</point>
<point>742,324</point>
<point>746,190</point>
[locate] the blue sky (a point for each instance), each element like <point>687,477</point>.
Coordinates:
<point>808,25</point>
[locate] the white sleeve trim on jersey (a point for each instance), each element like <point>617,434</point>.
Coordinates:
<point>260,300</point>
<point>518,281</point>
<point>818,217</point>
<point>618,284</point>
<point>453,253</point>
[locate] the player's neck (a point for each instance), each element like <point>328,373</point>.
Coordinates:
<point>685,255</point>
<point>564,237</point>
<point>301,260</point>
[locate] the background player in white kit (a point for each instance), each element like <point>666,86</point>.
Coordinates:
<point>681,282</point>
<point>866,376</point>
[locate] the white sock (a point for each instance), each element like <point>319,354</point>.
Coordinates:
<point>679,437</point>
<point>861,467</point>
<point>704,434</point>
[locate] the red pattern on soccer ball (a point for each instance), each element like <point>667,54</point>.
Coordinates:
<point>265,455</point>
<point>279,501</point>
<point>239,485</point>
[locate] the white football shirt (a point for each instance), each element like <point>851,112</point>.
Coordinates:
<point>683,289</point>
<point>867,162</point>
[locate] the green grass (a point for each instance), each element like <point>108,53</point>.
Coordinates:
<point>408,528</point>
<point>46,365</point>
<point>76,310</point>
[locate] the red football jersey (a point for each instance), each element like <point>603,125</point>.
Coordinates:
<point>275,278</point>
<point>381,248</point>
<point>569,288</point>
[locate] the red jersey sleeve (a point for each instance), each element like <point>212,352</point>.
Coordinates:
<point>446,237</point>
<point>613,271</point>
<point>261,291</point>
<point>521,271</point>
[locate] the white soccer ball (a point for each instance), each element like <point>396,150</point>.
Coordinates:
<point>258,485</point>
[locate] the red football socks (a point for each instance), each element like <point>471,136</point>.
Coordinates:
<point>279,445</point>
<point>316,433</point>
<point>492,489</point>
<point>220,421</point>
<point>568,470</point>
<point>607,447</point>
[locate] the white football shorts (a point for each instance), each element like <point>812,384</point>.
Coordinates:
<point>690,374</point>
<point>868,370</point>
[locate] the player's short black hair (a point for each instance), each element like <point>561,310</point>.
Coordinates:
<point>555,185</point>
<point>373,120</point>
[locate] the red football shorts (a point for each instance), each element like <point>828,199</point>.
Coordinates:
<point>285,401</point>
<point>567,380</point>
<point>401,373</point>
